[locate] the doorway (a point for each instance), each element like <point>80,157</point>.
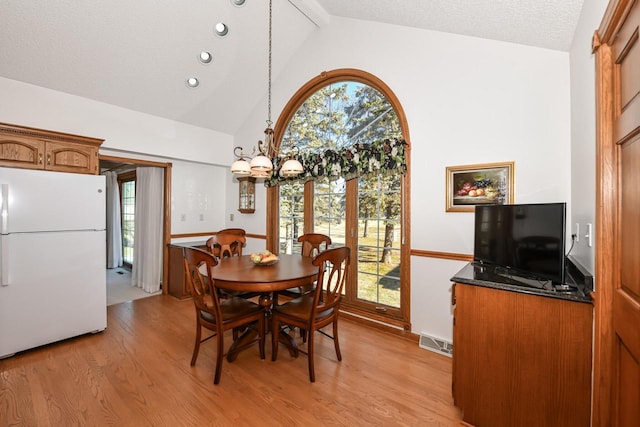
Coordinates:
<point>127,187</point>
<point>119,278</point>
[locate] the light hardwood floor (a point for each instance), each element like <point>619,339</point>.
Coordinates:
<point>137,373</point>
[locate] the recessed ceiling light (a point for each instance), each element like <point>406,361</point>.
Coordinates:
<point>238,2</point>
<point>205,57</point>
<point>221,29</point>
<point>192,82</point>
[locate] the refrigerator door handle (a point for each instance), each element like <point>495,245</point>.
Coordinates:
<point>4,259</point>
<point>4,209</point>
<point>4,237</point>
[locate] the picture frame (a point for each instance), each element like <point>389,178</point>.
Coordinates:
<point>471,185</point>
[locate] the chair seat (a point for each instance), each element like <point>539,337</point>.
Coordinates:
<point>239,294</point>
<point>300,308</point>
<point>232,308</point>
<point>299,290</point>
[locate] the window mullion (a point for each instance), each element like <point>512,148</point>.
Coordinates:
<point>308,207</point>
<point>351,237</point>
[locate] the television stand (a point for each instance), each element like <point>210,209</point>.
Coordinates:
<point>520,359</point>
<point>525,281</point>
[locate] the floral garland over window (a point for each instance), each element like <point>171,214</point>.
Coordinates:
<point>360,159</point>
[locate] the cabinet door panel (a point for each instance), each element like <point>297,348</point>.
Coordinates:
<point>64,157</point>
<point>18,152</point>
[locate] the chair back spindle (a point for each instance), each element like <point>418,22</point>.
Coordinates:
<point>225,245</point>
<point>314,243</point>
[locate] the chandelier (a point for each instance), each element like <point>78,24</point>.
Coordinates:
<point>260,165</point>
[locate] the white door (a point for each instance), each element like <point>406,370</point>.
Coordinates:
<point>44,201</point>
<point>55,288</point>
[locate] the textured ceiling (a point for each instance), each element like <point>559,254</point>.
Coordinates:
<point>137,53</point>
<point>542,23</point>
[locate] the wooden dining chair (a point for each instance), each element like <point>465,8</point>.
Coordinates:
<point>228,244</point>
<point>312,245</point>
<point>239,231</point>
<point>216,314</point>
<point>315,310</point>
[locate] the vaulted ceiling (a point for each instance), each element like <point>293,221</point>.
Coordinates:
<point>138,54</point>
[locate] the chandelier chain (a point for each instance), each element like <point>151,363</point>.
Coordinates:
<point>269,87</point>
<point>261,165</point>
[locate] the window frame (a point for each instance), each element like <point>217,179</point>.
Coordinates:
<point>122,179</point>
<point>400,318</point>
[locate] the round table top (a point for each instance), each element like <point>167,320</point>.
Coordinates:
<point>240,274</point>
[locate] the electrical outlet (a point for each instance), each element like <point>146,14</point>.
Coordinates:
<point>577,233</point>
<point>201,217</point>
<point>231,217</point>
<point>183,217</point>
<point>589,235</point>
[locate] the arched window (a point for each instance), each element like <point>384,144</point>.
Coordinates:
<point>352,138</point>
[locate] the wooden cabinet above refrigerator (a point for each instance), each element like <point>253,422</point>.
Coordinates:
<point>30,148</point>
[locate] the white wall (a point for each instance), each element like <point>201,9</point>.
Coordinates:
<point>583,129</point>
<point>123,129</point>
<point>198,182</point>
<point>467,101</point>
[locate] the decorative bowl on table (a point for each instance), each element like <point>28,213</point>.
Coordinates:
<point>264,258</point>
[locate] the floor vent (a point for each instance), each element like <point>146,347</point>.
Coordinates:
<point>436,344</point>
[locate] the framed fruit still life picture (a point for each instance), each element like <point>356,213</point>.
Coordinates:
<point>484,184</point>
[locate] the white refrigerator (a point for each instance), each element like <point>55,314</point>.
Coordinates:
<point>52,257</point>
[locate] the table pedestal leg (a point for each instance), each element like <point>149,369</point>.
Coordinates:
<point>288,342</point>
<point>265,300</point>
<point>243,341</point>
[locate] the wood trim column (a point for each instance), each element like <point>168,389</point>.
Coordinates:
<point>167,228</point>
<point>606,213</point>
<point>605,245</point>
<point>272,227</point>
<point>309,206</point>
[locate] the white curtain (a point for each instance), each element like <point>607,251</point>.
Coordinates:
<point>114,226</point>
<point>147,246</point>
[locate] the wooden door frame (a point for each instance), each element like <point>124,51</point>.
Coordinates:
<point>607,212</point>
<point>166,221</point>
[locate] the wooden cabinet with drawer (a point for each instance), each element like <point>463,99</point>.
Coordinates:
<point>23,147</point>
<point>177,284</point>
<point>521,359</point>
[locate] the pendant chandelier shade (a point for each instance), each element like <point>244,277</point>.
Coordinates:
<point>241,167</point>
<point>261,165</point>
<point>291,167</point>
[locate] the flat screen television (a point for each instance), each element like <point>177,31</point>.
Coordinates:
<point>523,239</point>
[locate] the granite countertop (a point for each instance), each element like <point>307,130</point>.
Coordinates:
<point>475,275</point>
<point>189,244</point>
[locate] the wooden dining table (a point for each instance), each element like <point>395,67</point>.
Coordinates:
<point>241,274</point>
